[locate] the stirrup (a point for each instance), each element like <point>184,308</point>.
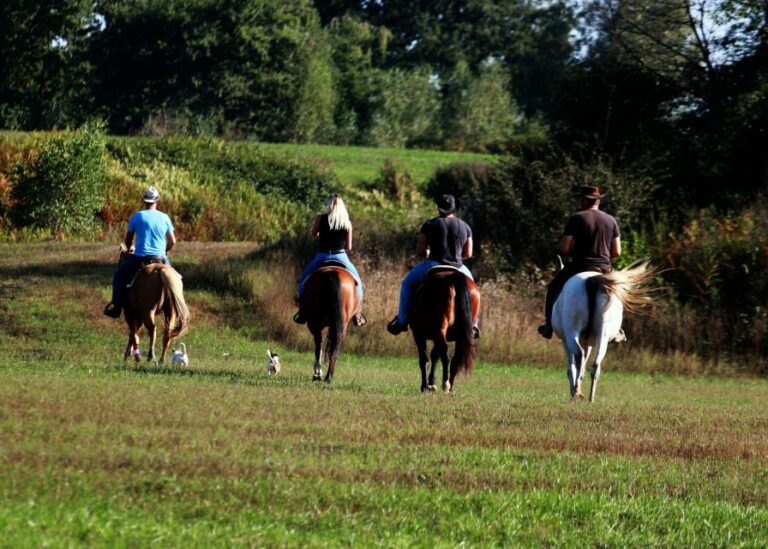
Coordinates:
<point>298,319</point>
<point>476,331</point>
<point>545,330</point>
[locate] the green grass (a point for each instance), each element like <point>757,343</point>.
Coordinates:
<point>95,452</point>
<point>354,165</point>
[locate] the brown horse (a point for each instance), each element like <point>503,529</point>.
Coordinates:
<point>156,288</point>
<point>444,309</point>
<point>329,301</point>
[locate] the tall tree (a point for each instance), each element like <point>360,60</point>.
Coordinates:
<point>42,72</point>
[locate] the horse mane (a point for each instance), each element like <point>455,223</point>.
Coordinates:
<point>632,286</point>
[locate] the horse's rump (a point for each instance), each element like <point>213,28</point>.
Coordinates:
<point>329,292</point>
<point>158,287</point>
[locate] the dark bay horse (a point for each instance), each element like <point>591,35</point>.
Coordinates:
<point>443,310</point>
<point>329,301</point>
<point>156,288</point>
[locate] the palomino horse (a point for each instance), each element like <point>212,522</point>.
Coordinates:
<point>588,314</point>
<point>329,301</point>
<point>443,310</point>
<point>156,288</point>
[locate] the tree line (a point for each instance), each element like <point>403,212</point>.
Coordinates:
<point>674,90</point>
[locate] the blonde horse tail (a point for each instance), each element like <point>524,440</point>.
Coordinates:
<point>631,285</point>
<point>174,289</point>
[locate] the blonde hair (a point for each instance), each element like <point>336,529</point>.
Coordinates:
<point>338,217</point>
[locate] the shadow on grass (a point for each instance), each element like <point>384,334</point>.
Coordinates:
<point>248,379</point>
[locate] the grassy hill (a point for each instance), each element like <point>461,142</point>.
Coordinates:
<point>97,452</point>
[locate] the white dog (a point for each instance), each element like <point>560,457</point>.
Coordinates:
<point>273,366</point>
<point>179,357</point>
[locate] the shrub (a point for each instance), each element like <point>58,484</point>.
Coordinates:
<point>62,188</point>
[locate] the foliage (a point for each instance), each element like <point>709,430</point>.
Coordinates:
<point>62,188</point>
<point>480,115</point>
<point>404,108</point>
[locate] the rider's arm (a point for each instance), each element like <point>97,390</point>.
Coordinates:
<point>615,247</point>
<point>422,245</point>
<point>170,240</point>
<point>466,251</point>
<point>129,241</point>
<point>348,247</point>
<point>316,227</point>
<point>566,243</point>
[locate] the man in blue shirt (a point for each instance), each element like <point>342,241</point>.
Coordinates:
<point>154,239</point>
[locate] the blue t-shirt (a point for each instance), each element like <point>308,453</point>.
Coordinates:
<point>151,228</point>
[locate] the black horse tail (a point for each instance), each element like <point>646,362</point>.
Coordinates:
<point>465,353</point>
<point>336,324</point>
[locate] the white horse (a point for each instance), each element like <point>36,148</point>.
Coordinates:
<point>588,314</point>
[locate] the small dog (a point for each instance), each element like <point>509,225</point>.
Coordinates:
<point>179,357</point>
<point>273,365</point>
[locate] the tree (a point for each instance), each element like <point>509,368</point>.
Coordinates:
<point>42,71</point>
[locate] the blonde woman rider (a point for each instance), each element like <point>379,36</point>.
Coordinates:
<point>333,231</point>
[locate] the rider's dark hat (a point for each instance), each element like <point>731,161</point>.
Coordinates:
<point>446,204</point>
<point>591,193</point>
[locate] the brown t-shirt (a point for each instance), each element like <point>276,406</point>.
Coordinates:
<point>592,232</point>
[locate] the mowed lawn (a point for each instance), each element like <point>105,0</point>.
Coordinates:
<point>96,452</point>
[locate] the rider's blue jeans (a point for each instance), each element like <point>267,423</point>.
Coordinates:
<point>411,281</point>
<point>341,257</point>
<point>124,272</point>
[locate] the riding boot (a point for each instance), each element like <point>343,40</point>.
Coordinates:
<point>359,319</point>
<point>545,330</point>
<point>395,327</point>
<point>299,319</point>
<point>113,310</point>
<point>476,330</point>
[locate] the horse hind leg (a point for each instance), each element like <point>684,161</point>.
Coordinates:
<point>442,350</point>
<point>149,324</point>
<point>421,346</point>
<point>574,358</point>
<point>434,356</point>
<point>596,366</point>
<point>317,373</point>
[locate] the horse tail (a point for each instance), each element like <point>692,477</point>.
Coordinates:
<point>631,286</point>
<point>179,318</point>
<point>466,351</point>
<point>336,324</point>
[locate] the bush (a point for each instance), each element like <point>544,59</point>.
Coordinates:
<point>62,188</point>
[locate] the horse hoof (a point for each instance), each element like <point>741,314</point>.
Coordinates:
<point>431,389</point>
<point>317,378</point>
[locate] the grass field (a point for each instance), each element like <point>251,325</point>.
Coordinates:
<point>95,452</point>
<point>354,165</point>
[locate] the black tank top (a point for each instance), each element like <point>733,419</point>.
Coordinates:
<point>330,240</point>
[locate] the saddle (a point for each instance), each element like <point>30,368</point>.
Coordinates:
<point>330,263</point>
<point>435,270</point>
<point>146,261</point>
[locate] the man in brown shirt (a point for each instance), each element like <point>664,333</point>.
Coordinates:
<point>591,238</point>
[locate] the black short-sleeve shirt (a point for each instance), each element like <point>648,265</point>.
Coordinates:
<point>592,232</point>
<point>446,237</point>
<point>330,240</point>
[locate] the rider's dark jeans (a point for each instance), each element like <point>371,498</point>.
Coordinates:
<point>125,271</point>
<point>556,286</point>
